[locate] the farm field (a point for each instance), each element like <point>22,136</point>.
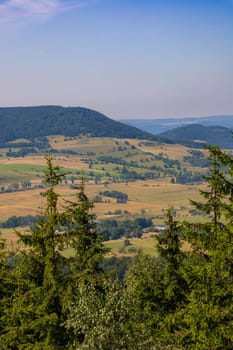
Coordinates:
<point>149,197</point>
<point>104,162</point>
<point>147,246</point>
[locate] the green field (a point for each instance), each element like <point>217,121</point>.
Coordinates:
<point>11,173</point>
<point>147,245</point>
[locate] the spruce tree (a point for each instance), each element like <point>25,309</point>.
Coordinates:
<point>87,282</point>
<point>36,314</point>
<point>172,289</point>
<point>4,283</point>
<point>157,290</point>
<point>82,236</point>
<point>208,316</point>
<point>141,282</point>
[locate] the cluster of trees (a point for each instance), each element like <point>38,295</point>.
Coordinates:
<point>120,196</point>
<point>40,143</point>
<point>197,158</point>
<point>168,163</point>
<point>198,162</point>
<point>20,221</point>
<point>131,175</point>
<point>17,187</point>
<point>64,151</point>
<point>21,153</point>
<point>115,229</point>
<point>180,300</point>
<point>109,228</point>
<point>188,177</point>
<point>21,149</point>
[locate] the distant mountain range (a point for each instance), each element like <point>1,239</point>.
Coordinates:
<point>194,135</point>
<point>33,122</point>
<point>158,126</point>
<point>213,130</point>
<point>39,121</point>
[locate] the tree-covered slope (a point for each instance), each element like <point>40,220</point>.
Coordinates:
<point>31,122</point>
<point>195,133</point>
<point>161,125</point>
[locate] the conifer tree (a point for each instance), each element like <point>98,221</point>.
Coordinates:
<point>172,288</point>
<point>4,290</point>
<point>141,281</point>
<point>35,316</point>
<point>83,237</point>
<point>87,278</point>
<point>157,291</point>
<point>208,316</point>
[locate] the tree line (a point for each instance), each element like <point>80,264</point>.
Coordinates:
<point>111,229</point>
<point>182,299</point>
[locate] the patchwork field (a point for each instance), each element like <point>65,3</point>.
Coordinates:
<point>151,197</point>
<point>104,163</point>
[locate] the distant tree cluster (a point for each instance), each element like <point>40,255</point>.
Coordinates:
<point>188,177</point>
<point>109,228</point>
<point>115,229</point>
<point>197,158</point>
<point>20,221</point>
<point>120,196</point>
<point>198,162</point>
<point>21,149</point>
<point>21,153</point>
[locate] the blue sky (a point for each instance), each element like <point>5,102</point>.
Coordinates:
<point>124,58</point>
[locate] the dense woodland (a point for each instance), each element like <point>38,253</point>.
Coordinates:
<point>31,122</point>
<point>189,135</point>
<point>181,300</point>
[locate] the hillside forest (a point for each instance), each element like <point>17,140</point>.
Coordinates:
<point>180,299</point>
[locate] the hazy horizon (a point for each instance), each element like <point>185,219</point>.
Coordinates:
<point>128,59</point>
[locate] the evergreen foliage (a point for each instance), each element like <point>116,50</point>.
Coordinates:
<point>83,237</point>
<point>208,315</point>
<point>40,121</point>
<point>172,288</point>
<point>4,286</point>
<point>193,134</point>
<point>35,317</point>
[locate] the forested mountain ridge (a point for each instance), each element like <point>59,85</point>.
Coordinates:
<point>38,121</point>
<point>160,125</point>
<point>194,134</point>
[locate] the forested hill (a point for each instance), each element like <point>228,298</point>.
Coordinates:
<point>32,122</point>
<point>194,134</point>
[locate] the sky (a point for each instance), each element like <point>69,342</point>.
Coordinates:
<point>124,58</point>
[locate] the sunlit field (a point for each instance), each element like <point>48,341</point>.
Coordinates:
<point>149,198</point>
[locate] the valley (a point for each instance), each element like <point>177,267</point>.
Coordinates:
<point>154,176</point>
